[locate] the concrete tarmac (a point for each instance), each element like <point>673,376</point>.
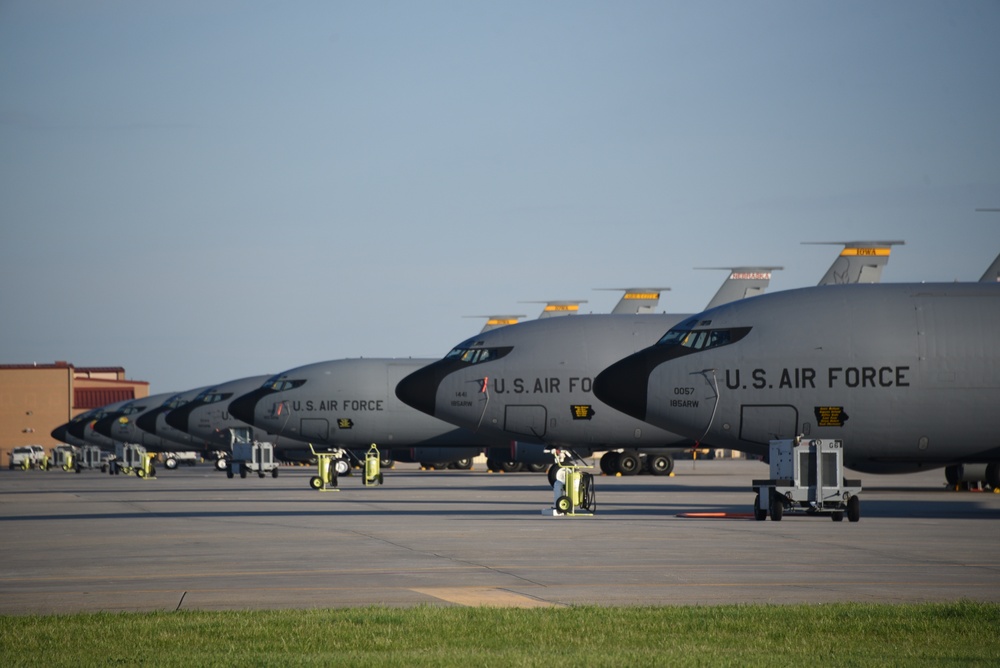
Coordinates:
<point>193,539</point>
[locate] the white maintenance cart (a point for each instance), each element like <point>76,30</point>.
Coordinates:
<point>807,475</point>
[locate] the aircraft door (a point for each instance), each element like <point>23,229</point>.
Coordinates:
<point>762,423</point>
<point>527,420</point>
<point>315,429</point>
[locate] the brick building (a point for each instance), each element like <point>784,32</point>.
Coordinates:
<point>37,398</point>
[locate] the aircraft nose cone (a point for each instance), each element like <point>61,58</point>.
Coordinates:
<point>178,417</point>
<point>623,385</point>
<point>60,433</point>
<point>419,390</point>
<point>242,408</point>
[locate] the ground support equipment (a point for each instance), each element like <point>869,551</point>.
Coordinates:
<point>573,490</point>
<point>373,471</point>
<point>90,457</point>
<point>328,464</point>
<point>253,457</point>
<point>129,458</point>
<point>807,476</point>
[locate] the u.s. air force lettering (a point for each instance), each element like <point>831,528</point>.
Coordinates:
<point>342,405</point>
<point>547,385</point>
<point>807,378</point>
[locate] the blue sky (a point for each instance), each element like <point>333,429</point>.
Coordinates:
<point>201,191</point>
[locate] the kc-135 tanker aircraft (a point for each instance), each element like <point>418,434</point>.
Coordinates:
<point>906,375</point>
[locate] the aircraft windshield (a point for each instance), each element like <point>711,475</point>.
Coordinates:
<point>477,355</point>
<point>702,339</point>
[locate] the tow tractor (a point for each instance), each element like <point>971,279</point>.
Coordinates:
<point>573,488</point>
<point>807,476</point>
<point>252,457</point>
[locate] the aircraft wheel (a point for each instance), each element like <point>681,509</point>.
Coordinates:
<point>609,463</point>
<point>854,509</point>
<point>536,468</point>
<point>170,463</point>
<point>315,482</point>
<point>837,516</point>
<point>759,513</point>
<point>274,472</point>
<point>221,464</point>
<point>628,463</point>
<point>553,470</point>
<point>510,467</point>
<point>993,475</point>
<point>463,464</point>
<point>563,504</point>
<point>660,464</point>
<point>342,466</point>
<point>777,509</point>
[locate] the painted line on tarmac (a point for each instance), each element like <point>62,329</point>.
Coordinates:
<point>484,596</point>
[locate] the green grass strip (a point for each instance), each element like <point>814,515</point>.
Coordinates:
<point>848,634</point>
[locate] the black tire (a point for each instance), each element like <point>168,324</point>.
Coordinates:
<point>316,482</point>
<point>660,464</point>
<point>243,470</point>
<point>609,463</point>
<point>170,463</point>
<point>221,464</point>
<point>777,508</point>
<point>563,504</point>
<point>510,467</point>
<point>462,464</point>
<point>140,473</point>
<point>553,470</point>
<point>589,495</point>
<point>536,468</point>
<point>341,467</point>
<point>837,516</point>
<point>759,513</point>
<point>853,509</point>
<point>629,463</point>
<point>229,472</point>
<point>274,472</point>
<point>261,474</point>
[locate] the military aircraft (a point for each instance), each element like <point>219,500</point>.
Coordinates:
<point>906,375</point>
<point>349,404</point>
<point>533,381</point>
<point>206,417</point>
<point>135,422</point>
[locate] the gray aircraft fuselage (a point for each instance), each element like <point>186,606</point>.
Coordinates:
<point>907,375</point>
<point>135,422</point>
<point>348,403</point>
<point>206,415</point>
<point>533,382</point>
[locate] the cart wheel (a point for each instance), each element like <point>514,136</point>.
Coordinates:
<point>152,471</point>
<point>229,472</point>
<point>854,509</point>
<point>274,473</point>
<point>837,516</point>
<point>140,473</point>
<point>759,513</point>
<point>380,478</point>
<point>260,474</point>
<point>563,504</point>
<point>776,508</point>
<point>243,470</point>
<point>315,482</point>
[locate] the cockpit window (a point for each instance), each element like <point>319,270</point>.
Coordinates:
<point>477,355</point>
<point>212,397</point>
<point>702,339</point>
<point>279,384</point>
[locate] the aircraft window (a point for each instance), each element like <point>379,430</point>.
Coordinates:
<point>702,339</point>
<point>477,355</point>
<point>282,385</point>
